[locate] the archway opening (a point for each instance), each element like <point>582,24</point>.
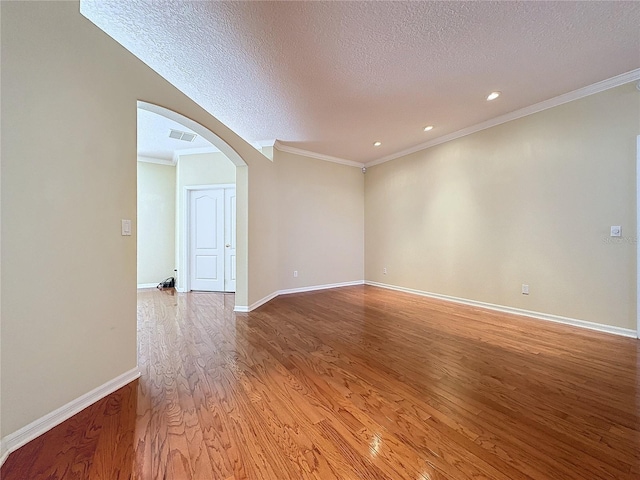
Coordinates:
<point>180,249</point>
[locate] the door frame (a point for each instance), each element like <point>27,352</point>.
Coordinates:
<point>186,215</point>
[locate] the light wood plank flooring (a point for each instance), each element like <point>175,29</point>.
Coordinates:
<point>353,383</point>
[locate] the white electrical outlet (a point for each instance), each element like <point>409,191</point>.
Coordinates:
<point>295,274</point>
<point>384,271</point>
<point>616,231</point>
<point>525,289</point>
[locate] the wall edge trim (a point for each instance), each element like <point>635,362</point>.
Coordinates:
<point>314,288</point>
<point>311,288</point>
<point>156,160</point>
<point>253,306</point>
<point>624,332</point>
<point>147,285</point>
<point>21,437</point>
<point>318,156</point>
<point>185,152</point>
<point>4,453</point>
<point>598,87</point>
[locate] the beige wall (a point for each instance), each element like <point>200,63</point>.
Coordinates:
<point>2,446</point>
<point>263,242</point>
<point>156,222</point>
<point>205,169</point>
<point>320,221</point>
<point>68,276</point>
<point>530,201</point>
<point>200,169</point>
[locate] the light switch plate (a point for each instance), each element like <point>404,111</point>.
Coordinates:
<point>126,227</point>
<point>616,231</point>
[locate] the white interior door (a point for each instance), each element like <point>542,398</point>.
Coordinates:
<point>230,240</point>
<point>207,250</point>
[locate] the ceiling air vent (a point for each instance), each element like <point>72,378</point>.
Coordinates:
<point>178,135</point>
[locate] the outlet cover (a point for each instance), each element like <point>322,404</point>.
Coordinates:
<point>525,289</point>
<point>126,227</point>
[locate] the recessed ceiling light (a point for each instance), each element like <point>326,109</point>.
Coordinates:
<point>428,127</point>
<point>493,96</point>
<point>377,144</point>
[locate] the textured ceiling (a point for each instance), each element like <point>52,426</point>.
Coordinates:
<point>333,77</point>
<point>154,141</point>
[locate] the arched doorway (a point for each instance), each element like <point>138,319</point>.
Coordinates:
<point>241,193</point>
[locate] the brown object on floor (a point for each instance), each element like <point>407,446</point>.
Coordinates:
<point>354,383</point>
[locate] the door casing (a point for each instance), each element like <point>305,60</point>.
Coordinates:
<point>187,227</point>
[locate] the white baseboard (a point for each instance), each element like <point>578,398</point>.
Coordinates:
<point>625,332</point>
<point>147,285</point>
<point>312,288</point>
<point>4,453</point>
<point>17,439</point>
<point>253,306</point>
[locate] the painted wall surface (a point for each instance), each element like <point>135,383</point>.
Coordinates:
<point>263,241</point>
<point>2,447</point>
<point>320,221</point>
<point>200,169</point>
<point>205,169</point>
<point>68,276</point>
<point>156,222</point>
<point>527,202</point>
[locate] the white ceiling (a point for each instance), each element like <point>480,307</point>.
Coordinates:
<point>333,77</point>
<point>154,141</point>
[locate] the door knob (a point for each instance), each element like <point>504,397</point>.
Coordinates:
<point>227,245</point>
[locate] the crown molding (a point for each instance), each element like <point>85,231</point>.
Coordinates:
<point>181,152</point>
<point>260,144</point>
<point>156,160</point>
<point>598,87</point>
<point>318,156</point>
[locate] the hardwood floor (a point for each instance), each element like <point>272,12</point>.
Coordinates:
<point>353,383</point>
